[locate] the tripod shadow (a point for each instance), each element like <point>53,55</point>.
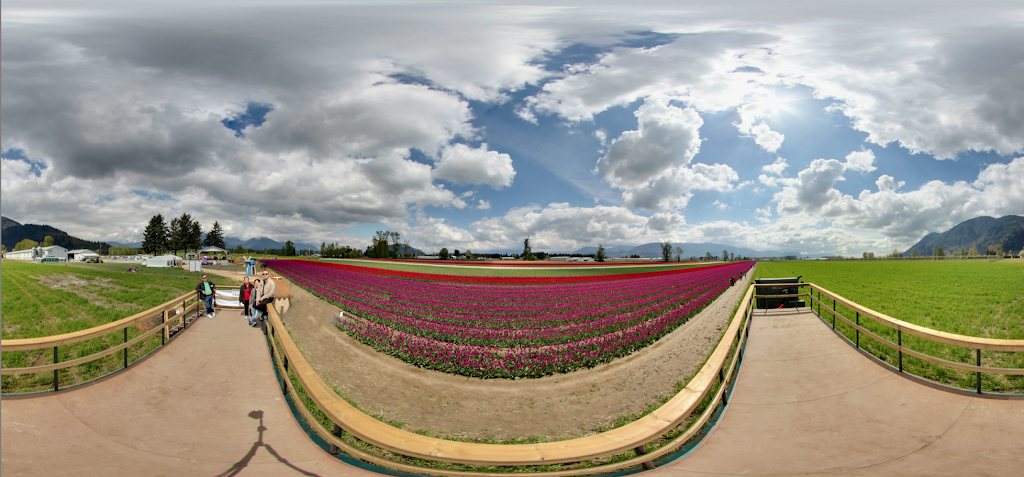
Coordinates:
<point>238,466</point>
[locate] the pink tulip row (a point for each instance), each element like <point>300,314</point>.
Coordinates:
<point>481,330</point>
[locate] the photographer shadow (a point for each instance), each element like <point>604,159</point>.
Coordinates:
<point>244,462</point>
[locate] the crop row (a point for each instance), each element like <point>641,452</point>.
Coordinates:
<point>483,331</point>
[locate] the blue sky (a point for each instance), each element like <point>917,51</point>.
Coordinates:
<point>796,126</point>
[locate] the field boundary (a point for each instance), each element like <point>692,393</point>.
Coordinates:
<point>900,327</point>
<point>711,380</point>
<point>172,313</point>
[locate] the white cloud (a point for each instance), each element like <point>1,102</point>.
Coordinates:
<point>462,164</point>
<point>902,216</point>
<point>651,164</point>
<point>769,140</point>
<point>863,161</point>
<point>484,205</point>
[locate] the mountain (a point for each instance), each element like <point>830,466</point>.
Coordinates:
<point>13,232</point>
<point>260,243</point>
<point>978,232</point>
<point>653,250</point>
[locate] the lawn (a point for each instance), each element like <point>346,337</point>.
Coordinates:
<point>50,299</point>
<point>973,298</point>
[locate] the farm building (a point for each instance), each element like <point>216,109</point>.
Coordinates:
<point>82,254</point>
<point>55,252</point>
<point>164,261</point>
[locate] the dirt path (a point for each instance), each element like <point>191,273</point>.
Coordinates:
<point>560,406</point>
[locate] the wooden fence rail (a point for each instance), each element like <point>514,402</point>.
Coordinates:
<point>171,313</point>
<point>632,437</point>
<point>970,342</point>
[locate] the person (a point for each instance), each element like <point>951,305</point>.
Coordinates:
<point>244,294</point>
<point>206,290</point>
<point>266,294</point>
<point>254,299</point>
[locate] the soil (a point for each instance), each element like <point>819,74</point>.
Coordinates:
<point>556,407</point>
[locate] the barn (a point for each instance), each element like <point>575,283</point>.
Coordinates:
<point>40,254</point>
<point>82,254</point>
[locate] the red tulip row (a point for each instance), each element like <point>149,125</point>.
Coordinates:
<point>482,331</point>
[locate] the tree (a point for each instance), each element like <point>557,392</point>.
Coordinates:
<point>679,254</point>
<point>725,255</point>
<point>666,251</point>
<point>938,252</point>
<point>469,255</point>
<point>215,237</point>
<point>154,238</point>
<point>3,248</point>
<point>527,251</point>
<point>443,254</point>
<point>289,249</point>
<point>974,250</point>
<point>184,234</point>
<point>457,253</point>
<point>48,241</point>
<point>600,254</point>
<point>25,245</point>
<point>239,250</point>
<point>707,256</point>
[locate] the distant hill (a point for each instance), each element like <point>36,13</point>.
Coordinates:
<point>13,232</point>
<point>978,232</point>
<point>653,250</point>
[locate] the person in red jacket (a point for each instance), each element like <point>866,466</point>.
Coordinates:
<point>245,294</point>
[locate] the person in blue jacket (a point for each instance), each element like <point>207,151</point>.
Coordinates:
<point>206,290</point>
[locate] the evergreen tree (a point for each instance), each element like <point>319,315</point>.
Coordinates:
<point>154,238</point>
<point>215,237</point>
<point>600,256</point>
<point>195,236</point>
<point>527,250</point>
<point>289,249</point>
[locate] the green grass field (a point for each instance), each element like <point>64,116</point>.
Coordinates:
<point>51,299</point>
<point>973,298</point>
<point>509,271</point>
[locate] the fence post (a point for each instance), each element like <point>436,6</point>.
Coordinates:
<point>336,432</point>
<point>978,361</point>
<point>833,313</point>
<point>125,350</point>
<point>56,378</point>
<point>899,341</point>
<point>163,334</point>
<point>858,331</point>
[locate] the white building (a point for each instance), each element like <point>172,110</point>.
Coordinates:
<point>55,252</point>
<point>164,261</point>
<point>82,254</point>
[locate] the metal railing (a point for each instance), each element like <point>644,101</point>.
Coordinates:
<point>172,314</point>
<point>977,345</point>
<point>716,373</point>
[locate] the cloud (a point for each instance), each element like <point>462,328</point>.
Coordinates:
<point>902,216</point>
<point>651,164</point>
<point>862,161</point>
<point>464,165</point>
<point>769,140</point>
<point>484,205</point>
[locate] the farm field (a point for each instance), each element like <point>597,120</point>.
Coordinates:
<point>973,298</point>
<point>519,269</point>
<point>51,299</point>
<point>507,327</point>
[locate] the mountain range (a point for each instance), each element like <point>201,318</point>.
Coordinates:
<point>980,232</point>
<point>13,232</point>
<point>653,250</point>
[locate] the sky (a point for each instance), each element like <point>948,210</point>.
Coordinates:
<point>811,127</point>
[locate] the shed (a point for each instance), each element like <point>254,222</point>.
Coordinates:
<point>82,254</point>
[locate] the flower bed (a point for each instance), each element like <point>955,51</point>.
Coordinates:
<point>504,330</point>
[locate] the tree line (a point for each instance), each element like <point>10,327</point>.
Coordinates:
<point>181,234</point>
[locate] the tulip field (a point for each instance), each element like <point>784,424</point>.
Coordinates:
<point>506,327</point>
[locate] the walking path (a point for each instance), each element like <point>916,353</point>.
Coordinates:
<point>805,403</point>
